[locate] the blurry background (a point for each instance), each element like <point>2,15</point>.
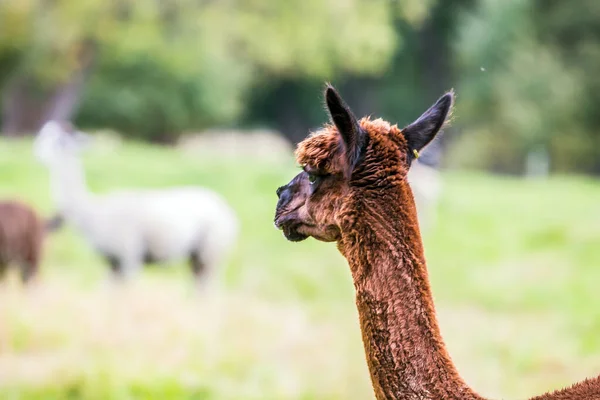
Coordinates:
<point>215,93</point>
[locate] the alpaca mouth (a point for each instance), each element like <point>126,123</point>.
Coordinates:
<point>290,228</point>
<point>291,233</point>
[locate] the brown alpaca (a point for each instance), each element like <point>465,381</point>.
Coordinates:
<point>353,190</point>
<point>21,237</point>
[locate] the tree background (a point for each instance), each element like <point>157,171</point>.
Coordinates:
<point>524,70</point>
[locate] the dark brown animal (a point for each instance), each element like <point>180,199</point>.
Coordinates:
<point>21,237</point>
<point>353,190</point>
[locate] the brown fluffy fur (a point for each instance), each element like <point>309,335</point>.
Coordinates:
<point>371,215</point>
<point>21,237</point>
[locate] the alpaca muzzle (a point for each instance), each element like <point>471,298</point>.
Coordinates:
<point>286,212</point>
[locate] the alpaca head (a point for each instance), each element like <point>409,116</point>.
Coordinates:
<point>57,142</point>
<point>349,160</point>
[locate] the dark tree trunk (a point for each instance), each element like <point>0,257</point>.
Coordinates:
<point>18,107</point>
<point>63,103</point>
<point>26,105</point>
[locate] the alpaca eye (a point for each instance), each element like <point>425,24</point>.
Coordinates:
<point>312,179</point>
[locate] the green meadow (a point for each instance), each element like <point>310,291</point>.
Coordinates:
<point>514,266</point>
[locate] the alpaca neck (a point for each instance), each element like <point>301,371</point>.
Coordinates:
<point>405,353</point>
<point>69,187</point>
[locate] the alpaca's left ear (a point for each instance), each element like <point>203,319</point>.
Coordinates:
<point>421,132</point>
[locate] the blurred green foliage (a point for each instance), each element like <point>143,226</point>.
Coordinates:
<point>517,95</point>
<point>524,70</point>
<point>162,67</point>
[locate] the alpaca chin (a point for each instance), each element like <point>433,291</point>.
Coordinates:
<point>300,232</point>
<point>291,233</point>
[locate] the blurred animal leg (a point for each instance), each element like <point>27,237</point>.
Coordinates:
<point>126,260</point>
<point>211,253</point>
<point>29,266</point>
<point>199,268</point>
<point>206,289</point>
<point>130,265</point>
<point>28,271</point>
<point>3,269</point>
<point>115,267</point>
<point>204,270</point>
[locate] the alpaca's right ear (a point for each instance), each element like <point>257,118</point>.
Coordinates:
<point>353,137</point>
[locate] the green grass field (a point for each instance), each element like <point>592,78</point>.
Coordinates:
<point>514,264</point>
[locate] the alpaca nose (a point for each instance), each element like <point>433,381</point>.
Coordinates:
<point>285,196</point>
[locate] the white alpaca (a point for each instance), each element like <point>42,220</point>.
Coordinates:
<point>130,228</point>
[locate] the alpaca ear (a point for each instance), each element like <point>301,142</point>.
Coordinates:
<point>421,132</point>
<point>347,125</point>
